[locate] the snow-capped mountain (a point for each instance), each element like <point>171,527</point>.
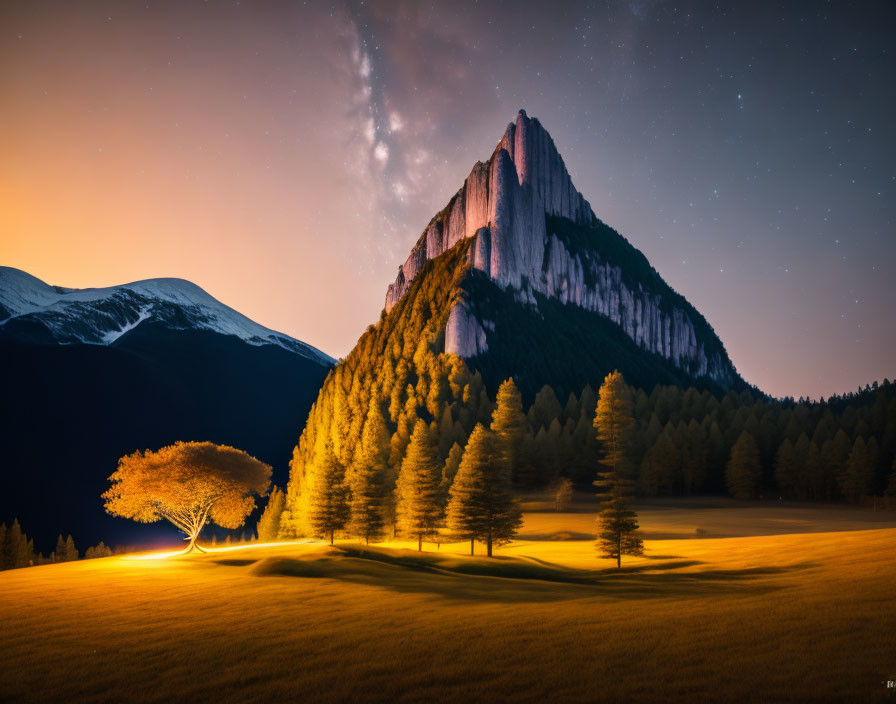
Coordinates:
<point>35,311</point>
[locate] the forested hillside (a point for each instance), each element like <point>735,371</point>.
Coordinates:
<point>398,374</point>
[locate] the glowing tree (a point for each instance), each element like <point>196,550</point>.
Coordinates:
<point>618,522</point>
<point>481,505</point>
<point>329,496</point>
<point>418,508</point>
<point>269,524</point>
<point>508,427</point>
<point>188,484</point>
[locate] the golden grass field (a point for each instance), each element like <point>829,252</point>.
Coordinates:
<point>768,603</point>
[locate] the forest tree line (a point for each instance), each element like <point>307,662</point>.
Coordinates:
<point>17,549</point>
<point>397,375</point>
<point>684,442</point>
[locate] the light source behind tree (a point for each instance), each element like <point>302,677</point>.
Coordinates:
<point>188,484</point>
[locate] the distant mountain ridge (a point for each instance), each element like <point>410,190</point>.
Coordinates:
<point>33,311</point>
<point>90,375</point>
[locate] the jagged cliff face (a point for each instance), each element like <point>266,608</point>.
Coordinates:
<point>507,205</point>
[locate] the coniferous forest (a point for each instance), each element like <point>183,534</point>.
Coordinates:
<point>397,390</point>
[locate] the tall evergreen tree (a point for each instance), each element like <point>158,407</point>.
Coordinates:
<point>372,503</point>
<point>855,481</point>
<point>661,467</point>
<point>18,550</point>
<point>563,495</point>
<point>614,424</point>
<point>508,427</point>
<point>891,485</point>
<point>329,498</point>
<point>617,522</point>
<point>481,506</point>
<point>744,471</point>
<point>368,507</point>
<point>693,458</point>
<point>452,464</point>
<point>269,523</point>
<point>71,552</point>
<point>418,507</point>
<point>59,553</point>
<point>785,469</point>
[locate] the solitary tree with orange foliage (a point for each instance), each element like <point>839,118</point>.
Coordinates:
<point>188,484</point>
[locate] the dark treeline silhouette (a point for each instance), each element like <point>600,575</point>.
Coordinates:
<point>17,549</point>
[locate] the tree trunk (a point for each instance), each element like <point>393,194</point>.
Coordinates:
<point>193,545</point>
<point>331,536</point>
<point>420,543</point>
<point>471,545</point>
<point>488,544</point>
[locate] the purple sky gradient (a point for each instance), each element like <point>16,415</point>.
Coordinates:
<point>286,158</point>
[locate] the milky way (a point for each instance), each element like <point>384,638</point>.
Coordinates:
<point>286,158</point>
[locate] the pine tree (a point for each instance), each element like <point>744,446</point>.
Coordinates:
<point>17,549</point>
<point>452,464</point>
<point>617,522</point>
<point>661,467</point>
<point>100,550</point>
<point>855,481</point>
<point>71,552</point>
<point>800,465</point>
<point>544,410</point>
<point>3,562</point>
<point>59,553</point>
<point>508,427</point>
<point>563,495</point>
<point>693,458</point>
<point>367,504</point>
<point>372,503</point>
<point>891,485</point>
<point>614,423</point>
<point>785,469</point>
<point>744,470</point>
<point>481,506</point>
<point>329,501</point>
<point>269,523</point>
<point>418,508</point>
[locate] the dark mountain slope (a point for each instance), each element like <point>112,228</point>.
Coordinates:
<point>70,411</point>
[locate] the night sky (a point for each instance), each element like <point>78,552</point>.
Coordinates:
<point>286,157</point>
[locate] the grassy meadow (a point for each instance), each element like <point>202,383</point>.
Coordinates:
<point>731,602</point>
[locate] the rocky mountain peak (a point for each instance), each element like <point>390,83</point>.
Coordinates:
<point>514,207</point>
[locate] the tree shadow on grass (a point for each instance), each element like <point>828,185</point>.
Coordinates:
<point>511,579</point>
<point>235,562</point>
<point>557,535</point>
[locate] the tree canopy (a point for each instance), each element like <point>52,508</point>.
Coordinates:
<point>481,505</point>
<point>188,484</point>
<point>418,508</point>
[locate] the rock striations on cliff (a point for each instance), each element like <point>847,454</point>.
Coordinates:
<point>534,235</point>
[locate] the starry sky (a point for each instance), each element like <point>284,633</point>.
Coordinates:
<point>286,156</point>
